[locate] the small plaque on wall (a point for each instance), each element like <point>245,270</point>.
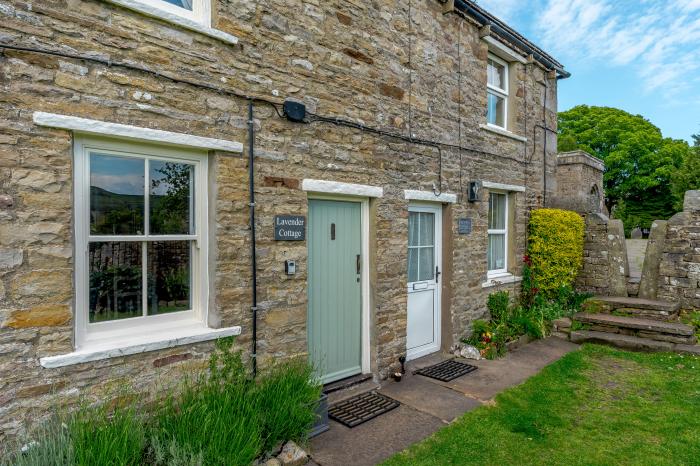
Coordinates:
<point>464,226</point>
<point>290,228</point>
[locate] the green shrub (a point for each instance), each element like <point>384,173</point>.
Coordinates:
<point>497,304</point>
<point>219,417</point>
<point>555,248</point>
<point>287,401</point>
<point>88,437</point>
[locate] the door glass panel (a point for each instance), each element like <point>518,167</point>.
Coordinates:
<point>115,281</point>
<point>497,252</point>
<point>116,195</point>
<point>412,265</point>
<point>497,211</point>
<point>171,198</point>
<point>413,224</point>
<point>427,229</point>
<point>169,277</point>
<point>426,269</point>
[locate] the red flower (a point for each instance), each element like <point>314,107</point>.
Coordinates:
<point>527,260</point>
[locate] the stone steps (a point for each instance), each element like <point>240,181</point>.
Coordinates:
<point>672,332</point>
<point>630,342</point>
<point>633,307</point>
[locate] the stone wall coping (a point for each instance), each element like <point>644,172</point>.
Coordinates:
<point>112,348</point>
<point>158,13</point>
<point>502,132</point>
<point>414,195</point>
<point>337,187</point>
<point>581,157</point>
<point>503,186</point>
<point>103,128</point>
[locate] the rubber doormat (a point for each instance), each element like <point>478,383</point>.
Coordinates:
<point>446,370</point>
<point>361,408</point>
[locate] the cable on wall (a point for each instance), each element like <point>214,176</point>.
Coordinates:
<point>275,105</point>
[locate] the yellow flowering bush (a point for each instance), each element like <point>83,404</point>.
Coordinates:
<point>555,248</point>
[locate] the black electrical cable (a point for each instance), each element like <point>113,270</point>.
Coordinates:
<point>332,120</point>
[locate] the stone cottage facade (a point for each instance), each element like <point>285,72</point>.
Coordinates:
<point>125,213</point>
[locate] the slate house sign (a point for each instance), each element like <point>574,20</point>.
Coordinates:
<point>290,228</point>
<point>464,226</point>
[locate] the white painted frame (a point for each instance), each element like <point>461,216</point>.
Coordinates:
<point>435,209</point>
<point>198,20</point>
<point>134,133</point>
<point>94,334</point>
<point>340,188</point>
<point>364,277</point>
<point>200,13</point>
<point>504,232</point>
<point>499,92</point>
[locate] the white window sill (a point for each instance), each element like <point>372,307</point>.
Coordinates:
<point>502,132</point>
<point>500,279</point>
<point>111,347</point>
<point>186,23</point>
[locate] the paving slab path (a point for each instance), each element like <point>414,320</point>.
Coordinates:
<point>428,405</point>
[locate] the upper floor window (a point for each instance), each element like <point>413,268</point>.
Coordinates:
<point>497,92</point>
<point>141,230</point>
<point>198,11</point>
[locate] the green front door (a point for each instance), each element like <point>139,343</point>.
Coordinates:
<point>335,297</point>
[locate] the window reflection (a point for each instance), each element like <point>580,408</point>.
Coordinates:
<point>116,195</point>
<point>169,277</point>
<point>116,290</point>
<point>171,197</point>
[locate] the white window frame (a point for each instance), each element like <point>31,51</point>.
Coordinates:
<point>95,334</point>
<point>200,13</point>
<point>504,232</point>
<point>499,92</point>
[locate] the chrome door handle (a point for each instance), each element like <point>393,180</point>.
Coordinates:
<point>358,264</point>
<point>437,274</point>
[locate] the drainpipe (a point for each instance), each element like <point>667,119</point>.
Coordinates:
<point>544,153</point>
<point>253,258</point>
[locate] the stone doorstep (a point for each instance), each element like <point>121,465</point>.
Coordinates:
<point>648,325</point>
<point>619,302</point>
<point>631,342</point>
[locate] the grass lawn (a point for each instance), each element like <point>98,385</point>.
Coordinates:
<point>595,406</point>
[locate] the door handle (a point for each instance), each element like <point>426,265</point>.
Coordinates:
<point>358,264</point>
<point>437,274</point>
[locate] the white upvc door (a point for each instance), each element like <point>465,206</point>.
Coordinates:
<point>424,272</point>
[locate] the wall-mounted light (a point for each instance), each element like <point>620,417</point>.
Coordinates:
<point>474,193</point>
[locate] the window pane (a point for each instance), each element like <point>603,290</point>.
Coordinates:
<point>496,110</point>
<point>497,252</point>
<point>497,211</point>
<point>427,229</point>
<point>169,277</point>
<point>116,195</point>
<point>186,4</point>
<point>412,265</point>
<point>413,223</point>
<point>171,198</point>
<point>496,74</point>
<point>427,264</point>
<point>115,281</point>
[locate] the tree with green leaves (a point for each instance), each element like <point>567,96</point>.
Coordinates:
<point>639,162</point>
<point>688,176</point>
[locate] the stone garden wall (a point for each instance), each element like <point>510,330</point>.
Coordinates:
<point>603,271</point>
<point>346,59</point>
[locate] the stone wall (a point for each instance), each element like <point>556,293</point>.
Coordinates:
<point>347,59</point>
<point>603,272</point>
<point>679,266</point>
<point>579,185</point>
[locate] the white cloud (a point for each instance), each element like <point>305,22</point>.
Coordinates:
<point>659,39</point>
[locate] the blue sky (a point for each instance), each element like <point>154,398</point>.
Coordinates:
<point>642,56</point>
